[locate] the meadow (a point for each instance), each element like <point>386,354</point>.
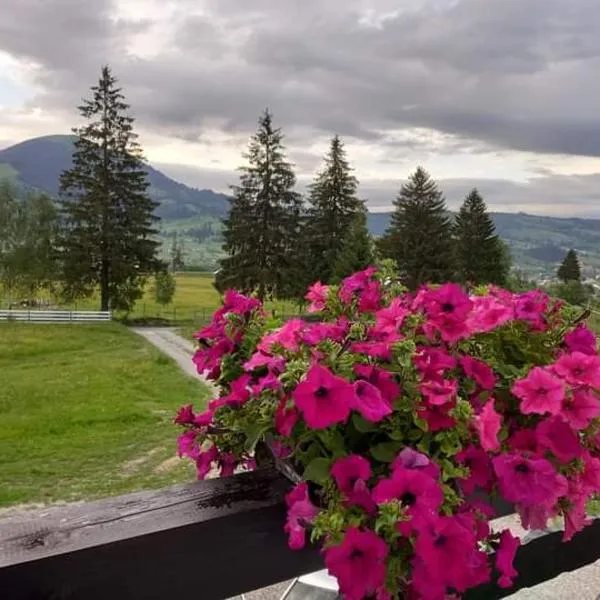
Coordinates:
<point>86,411</point>
<point>194,301</point>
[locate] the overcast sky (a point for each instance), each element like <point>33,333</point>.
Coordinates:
<point>501,94</point>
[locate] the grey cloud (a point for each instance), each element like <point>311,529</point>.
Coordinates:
<point>552,195</point>
<point>516,74</point>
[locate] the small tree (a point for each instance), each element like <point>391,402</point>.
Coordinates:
<point>481,256</point>
<point>177,254</point>
<point>570,269</point>
<point>356,252</point>
<point>164,287</point>
<point>419,238</point>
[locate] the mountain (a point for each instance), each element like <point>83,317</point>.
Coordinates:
<point>36,165</point>
<point>537,243</point>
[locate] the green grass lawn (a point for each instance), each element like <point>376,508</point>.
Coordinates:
<point>195,300</point>
<point>86,411</point>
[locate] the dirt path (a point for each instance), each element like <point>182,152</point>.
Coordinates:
<point>168,341</point>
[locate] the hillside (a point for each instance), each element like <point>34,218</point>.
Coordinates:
<point>537,243</point>
<point>36,164</point>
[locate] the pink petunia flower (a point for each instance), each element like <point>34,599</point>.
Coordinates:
<point>448,300</point>
<point>480,469</point>
<point>369,299</point>
<point>315,333</point>
<point>275,364</point>
<point>447,556</point>
<point>439,391</point>
<point>323,398</point>
<point>381,379</point>
<point>540,392</point>
<point>581,339</point>
<point>392,317</point>
<point>478,371</point>
<point>525,442</point>
<point>579,369</point>
<point>433,362</point>
<point>317,296</point>
<point>204,419</point>
<point>409,458</point>
<point>351,474</point>
<point>185,415</point>
<point>204,462</point>
<point>556,435</point>
<point>374,349</point>
<point>451,329</point>
<point>488,314</point>
<point>301,512</point>
<point>369,402</point>
<point>285,418</point>
<point>530,306</point>
<point>437,417</point>
<point>528,481</point>
<point>417,491</point>
<point>288,336</point>
<point>488,424</point>
<point>358,563</point>
<point>187,444</point>
<point>355,284</point>
<point>505,555</point>
<point>579,409</point>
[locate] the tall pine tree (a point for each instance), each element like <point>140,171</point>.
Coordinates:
<point>109,232</point>
<point>570,269</point>
<point>334,206</point>
<point>419,238</point>
<point>480,254</point>
<point>261,232</point>
<point>356,252</point>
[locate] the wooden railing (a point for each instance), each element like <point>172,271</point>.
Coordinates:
<point>55,316</point>
<point>208,540</point>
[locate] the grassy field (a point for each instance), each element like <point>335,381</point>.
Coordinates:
<point>86,411</point>
<point>194,301</point>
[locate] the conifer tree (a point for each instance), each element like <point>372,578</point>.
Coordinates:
<point>261,232</point>
<point>356,252</point>
<point>109,236</point>
<point>334,205</point>
<point>480,254</point>
<point>419,238</point>
<point>570,269</point>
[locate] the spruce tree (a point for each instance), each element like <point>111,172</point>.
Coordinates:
<point>419,238</point>
<point>109,237</point>
<point>356,252</point>
<point>334,205</point>
<point>261,231</point>
<point>570,269</point>
<point>480,254</point>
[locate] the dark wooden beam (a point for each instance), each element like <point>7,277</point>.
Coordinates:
<point>208,540</point>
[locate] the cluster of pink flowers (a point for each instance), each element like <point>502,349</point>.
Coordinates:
<point>415,404</point>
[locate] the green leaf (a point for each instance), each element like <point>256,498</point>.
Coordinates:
<point>362,425</point>
<point>386,451</point>
<point>317,470</point>
<point>254,432</point>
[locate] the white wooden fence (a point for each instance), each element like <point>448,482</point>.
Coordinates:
<point>55,316</point>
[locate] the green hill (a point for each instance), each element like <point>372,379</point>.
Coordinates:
<point>36,164</point>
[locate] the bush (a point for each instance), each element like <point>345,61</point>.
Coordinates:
<point>393,411</point>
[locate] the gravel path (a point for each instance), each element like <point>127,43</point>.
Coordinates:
<point>583,584</point>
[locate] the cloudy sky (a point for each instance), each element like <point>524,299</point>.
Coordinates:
<point>501,94</point>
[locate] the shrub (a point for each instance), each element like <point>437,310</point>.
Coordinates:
<point>393,411</point>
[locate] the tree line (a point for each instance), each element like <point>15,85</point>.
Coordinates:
<point>276,243</point>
